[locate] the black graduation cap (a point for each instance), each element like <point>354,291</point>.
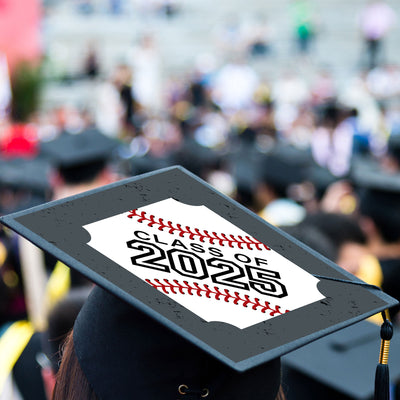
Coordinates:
<point>73,149</point>
<point>321,369</point>
<point>24,173</point>
<point>379,196</point>
<point>25,181</point>
<point>283,166</point>
<point>369,174</point>
<point>197,283</point>
<point>76,155</point>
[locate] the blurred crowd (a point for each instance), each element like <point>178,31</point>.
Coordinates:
<point>319,159</point>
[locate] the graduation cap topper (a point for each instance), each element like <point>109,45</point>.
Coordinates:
<point>204,262</point>
<point>200,264</point>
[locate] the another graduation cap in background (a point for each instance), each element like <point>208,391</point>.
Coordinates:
<point>368,174</point>
<point>24,183</point>
<point>378,191</point>
<point>339,366</point>
<point>79,157</point>
<point>198,290</point>
<point>284,166</point>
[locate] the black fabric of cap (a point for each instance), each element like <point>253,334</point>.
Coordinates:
<point>282,167</point>
<point>24,183</point>
<point>126,354</point>
<point>366,173</point>
<point>20,173</point>
<point>379,193</point>
<point>71,150</point>
<point>339,366</point>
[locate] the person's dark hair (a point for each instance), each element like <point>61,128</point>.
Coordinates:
<point>339,228</point>
<point>314,238</point>
<point>82,173</point>
<point>245,196</point>
<point>71,382</point>
<point>60,322</point>
<point>383,208</point>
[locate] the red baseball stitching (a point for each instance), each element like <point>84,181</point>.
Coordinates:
<point>204,235</point>
<point>167,287</point>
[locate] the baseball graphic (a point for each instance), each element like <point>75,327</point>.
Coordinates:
<point>204,262</point>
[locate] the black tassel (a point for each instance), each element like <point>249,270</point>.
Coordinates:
<point>382,380</point>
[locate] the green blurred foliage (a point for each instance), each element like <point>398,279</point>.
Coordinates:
<point>26,84</point>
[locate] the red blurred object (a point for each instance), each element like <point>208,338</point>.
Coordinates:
<point>19,140</point>
<point>20,30</point>
<point>49,381</point>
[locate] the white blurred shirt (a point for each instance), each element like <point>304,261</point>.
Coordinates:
<point>234,87</point>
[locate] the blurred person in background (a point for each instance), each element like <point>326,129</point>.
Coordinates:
<point>258,36</point>
<point>155,146</point>
<point>109,109</point>
<point>239,96</point>
<point>377,187</point>
<point>379,211</point>
<point>81,162</point>
<point>289,92</point>
<point>332,141</point>
<point>280,170</point>
<point>323,87</point>
<point>350,243</point>
<point>5,88</point>
<point>123,84</point>
<point>375,21</point>
<point>169,8</point>
<point>383,82</point>
<point>145,62</point>
<point>304,24</point>
<point>91,66</point>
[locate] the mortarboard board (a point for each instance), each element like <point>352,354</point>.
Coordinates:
<point>368,174</point>
<point>195,263</point>
<point>29,174</point>
<point>284,165</point>
<point>68,150</point>
<point>27,180</point>
<point>316,370</point>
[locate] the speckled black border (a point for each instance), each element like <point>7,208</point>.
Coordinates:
<point>57,228</point>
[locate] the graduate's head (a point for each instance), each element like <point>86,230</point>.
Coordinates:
<point>80,159</point>
<point>197,297</point>
<point>119,352</point>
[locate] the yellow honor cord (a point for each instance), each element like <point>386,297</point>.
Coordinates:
<point>12,344</point>
<point>58,284</point>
